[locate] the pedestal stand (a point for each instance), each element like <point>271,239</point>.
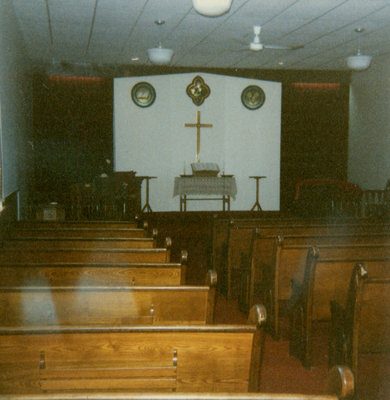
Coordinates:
<point>256,206</point>
<point>146,207</point>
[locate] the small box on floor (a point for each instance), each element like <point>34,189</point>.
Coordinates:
<point>51,212</point>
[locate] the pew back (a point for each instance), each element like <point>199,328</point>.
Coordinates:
<point>84,306</point>
<point>209,358</point>
<point>85,274</point>
<point>155,255</point>
<point>79,243</point>
<point>79,232</point>
<point>23,224</point>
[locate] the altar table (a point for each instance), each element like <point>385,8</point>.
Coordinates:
<point>223,186</point>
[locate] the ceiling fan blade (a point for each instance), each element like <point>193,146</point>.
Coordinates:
<point>276,47</point>
<point>242,42</point>
<point>246,48</point>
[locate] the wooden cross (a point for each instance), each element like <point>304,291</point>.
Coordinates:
<point>197,125</point>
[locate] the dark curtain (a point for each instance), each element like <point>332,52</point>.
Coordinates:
<point>314,141</point>
<point>73,133</point>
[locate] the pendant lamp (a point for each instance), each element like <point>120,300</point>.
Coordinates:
<point>359,62</point>
<point>212,8</point>
<point>160,56</point>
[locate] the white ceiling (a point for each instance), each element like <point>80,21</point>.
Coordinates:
<point>111,32</point>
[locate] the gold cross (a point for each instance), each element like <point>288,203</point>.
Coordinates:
<point>197,125</point>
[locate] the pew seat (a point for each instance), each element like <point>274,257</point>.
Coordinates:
<point>197,358</point>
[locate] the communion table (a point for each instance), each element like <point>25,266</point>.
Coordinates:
<point>223,186</point>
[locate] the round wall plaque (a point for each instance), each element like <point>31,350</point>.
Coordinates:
<point>253,97</point>
<point>143,94</point>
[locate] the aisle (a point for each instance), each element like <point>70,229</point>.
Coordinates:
<point>280,372</point>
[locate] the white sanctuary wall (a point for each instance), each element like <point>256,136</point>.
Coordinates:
<point>153,141</point>
<point>369,126</point>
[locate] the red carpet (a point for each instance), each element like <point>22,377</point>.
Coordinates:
<point>281,373</point>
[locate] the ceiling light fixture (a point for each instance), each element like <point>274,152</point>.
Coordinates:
<point>158,55</point>
<point>359,62</point>
<point>212,8</point>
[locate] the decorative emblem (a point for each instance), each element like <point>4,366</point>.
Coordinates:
<point>143,94</point>
<point>198,90</point>
<point>253,97</point>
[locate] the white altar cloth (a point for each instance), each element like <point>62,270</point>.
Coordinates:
<point>220,185</point>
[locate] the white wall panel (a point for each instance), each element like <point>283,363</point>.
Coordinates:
<point>153,141</point>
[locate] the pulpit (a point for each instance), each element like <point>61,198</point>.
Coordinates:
<point>109,197</point>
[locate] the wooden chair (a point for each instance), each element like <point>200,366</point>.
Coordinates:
<point>208,358</point>
<point>360,331</point>
<point>325,277</point>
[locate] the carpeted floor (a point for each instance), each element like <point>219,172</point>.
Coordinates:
<point>281,373</point>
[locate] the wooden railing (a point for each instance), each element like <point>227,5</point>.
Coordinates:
<point>375,203</point>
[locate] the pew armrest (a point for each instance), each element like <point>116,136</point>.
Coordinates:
<point>341,382</point>
<point>257,315</point>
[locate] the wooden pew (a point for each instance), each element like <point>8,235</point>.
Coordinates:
<point>32,224</point>
<point>96,255</point>
<point>237,252</point>
<point>108,305</point>
<point>84,274</point>
<point>239,241</point>
<point>360,332</point>
<point>79,243</point>
<point>196,358</point>
<point>274,261</point>
<point>340,387</point>
<point>325,278</point>
<point>79,232</point>
<point>219,232</point>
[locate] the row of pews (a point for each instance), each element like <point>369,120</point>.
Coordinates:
<point>314,276</point>
<point>97,310</point>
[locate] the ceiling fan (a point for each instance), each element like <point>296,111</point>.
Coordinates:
<point>257,45</point>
